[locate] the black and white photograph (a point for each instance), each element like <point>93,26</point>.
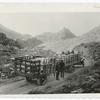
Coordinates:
<point>50,52</point>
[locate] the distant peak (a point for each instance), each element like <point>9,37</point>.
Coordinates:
<point>65,29</point>
<point>66,33</point>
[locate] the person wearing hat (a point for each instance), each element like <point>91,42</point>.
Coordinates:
<point>57,70</point>
<point>62,67</point>
<point>82,61</point>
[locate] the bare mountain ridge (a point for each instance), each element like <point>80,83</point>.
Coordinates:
<point>28,41</point>
<point>49,37</point>
<point>61,35</point>
<point>62,45</point>
<point>12,34</point>
<point>32,42</point>
<point>92,35</point>
<point>59,41</point>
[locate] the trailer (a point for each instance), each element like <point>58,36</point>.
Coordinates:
<point>37,69</point>
<point>71,60</point>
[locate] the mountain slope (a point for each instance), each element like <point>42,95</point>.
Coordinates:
<point>12,34</point>
<point>49,37</point>
<point>31,43</point>
<point>8,48</point>
<point>92,35</point>
<point>61,45</point>
<point>61,35</point>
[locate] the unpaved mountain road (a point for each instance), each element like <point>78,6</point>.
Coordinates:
<point>23,87</point>
<point>18,87</point>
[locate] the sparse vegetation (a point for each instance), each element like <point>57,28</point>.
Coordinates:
<point>8,47</point>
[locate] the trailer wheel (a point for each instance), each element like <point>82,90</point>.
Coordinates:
<point>28,79</point>
<point>42,81</point>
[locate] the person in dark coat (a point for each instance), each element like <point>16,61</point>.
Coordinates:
<point>54,66</point>
<point>82,61</point>
<point>62,67</point>
<point>57,70</point>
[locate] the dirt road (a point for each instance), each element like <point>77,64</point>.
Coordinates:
<point>18,87</point>
<point>23,87</point>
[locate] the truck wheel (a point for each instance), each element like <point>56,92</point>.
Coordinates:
<point>28,79</point>
<point>43,80</point>
<point>38,81</point>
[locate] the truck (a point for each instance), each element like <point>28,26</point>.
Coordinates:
<point>36,69</point>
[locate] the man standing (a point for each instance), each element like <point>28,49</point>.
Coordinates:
<point>82,62</point>
<point>54,66</point>
<point>57,70</point>
<point>62,67</point>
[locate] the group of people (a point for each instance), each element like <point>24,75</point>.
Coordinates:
<point>59,65</point>
<point>60,69</point>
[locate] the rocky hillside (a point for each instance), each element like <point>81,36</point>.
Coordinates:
<point>5,41</point>
<point>61,35</point>
<point>49,38</point>
<point>8,48</point>
<point>31,43</point>
<point>61,45</point>
<point>12,34</point>
<point>92,35</point>
<point>90,52</point>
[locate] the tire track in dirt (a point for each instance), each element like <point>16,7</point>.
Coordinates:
<point>24,87</point>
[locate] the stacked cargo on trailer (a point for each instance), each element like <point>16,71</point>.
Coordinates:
<point>37,68</point>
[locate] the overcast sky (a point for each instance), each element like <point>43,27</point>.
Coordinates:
<point>37,23</point>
